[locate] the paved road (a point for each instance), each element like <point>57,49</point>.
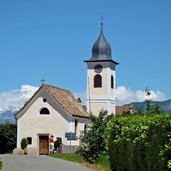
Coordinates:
<point>38,163</point>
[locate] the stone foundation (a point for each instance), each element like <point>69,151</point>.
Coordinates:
<point>31,151</point>
<point>65,149</point>
<point>69,149</point>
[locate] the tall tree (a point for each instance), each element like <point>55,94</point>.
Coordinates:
<point>95,137</point>
<point>8,137</point>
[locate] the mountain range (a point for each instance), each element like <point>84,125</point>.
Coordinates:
<point>165,105</point>
<point>8,113</point>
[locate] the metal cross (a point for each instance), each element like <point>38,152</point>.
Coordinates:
<point>101,19</point>
<point>42,80</point>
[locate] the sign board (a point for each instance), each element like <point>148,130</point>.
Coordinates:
<point>70,136</point>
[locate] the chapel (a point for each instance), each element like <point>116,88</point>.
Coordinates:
<point>54,112</point>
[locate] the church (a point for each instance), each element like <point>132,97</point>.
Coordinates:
<point>54,111</point>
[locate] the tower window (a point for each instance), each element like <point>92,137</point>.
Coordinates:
<point>44,111</point>
<point>97,81</point>
<point>112,82</point>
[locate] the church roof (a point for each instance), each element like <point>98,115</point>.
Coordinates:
<point>63,97</point>
<point>66,99</point>
<point>101,50</point>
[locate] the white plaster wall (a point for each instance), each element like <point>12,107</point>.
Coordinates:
<point>32,123</point>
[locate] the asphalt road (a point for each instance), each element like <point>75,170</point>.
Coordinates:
<point>38,163</point>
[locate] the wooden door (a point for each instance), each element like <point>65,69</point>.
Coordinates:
<point>43,145</point>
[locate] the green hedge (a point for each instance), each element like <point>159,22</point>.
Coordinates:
<point>140,143</point>
<point>0,165</point>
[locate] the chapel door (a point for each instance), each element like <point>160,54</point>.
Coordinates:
<point>43,145</point>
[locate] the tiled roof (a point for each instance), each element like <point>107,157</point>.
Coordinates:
<point>121,109</point>
<point>66,99</point>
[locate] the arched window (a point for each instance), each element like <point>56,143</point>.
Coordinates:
<point>112,82</point>
<point>85,129</point>
<point>44,111</point>
<point>97,81</point>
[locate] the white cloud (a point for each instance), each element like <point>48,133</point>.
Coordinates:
<point>126,95</point>
<point>18,97</point>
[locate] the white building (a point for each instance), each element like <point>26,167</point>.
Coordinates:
<point>55,111</point>
<point>50,111</point>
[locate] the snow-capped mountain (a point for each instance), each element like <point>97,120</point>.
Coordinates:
<point>8,114</point>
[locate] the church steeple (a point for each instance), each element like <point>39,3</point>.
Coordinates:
<point>101,77</point>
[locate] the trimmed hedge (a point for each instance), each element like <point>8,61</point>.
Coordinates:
<point>139,143</point>
<point>0,165</point>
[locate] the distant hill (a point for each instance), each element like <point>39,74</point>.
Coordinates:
<point>165,105</point>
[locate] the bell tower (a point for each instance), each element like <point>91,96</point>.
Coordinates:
<point>101,77</point>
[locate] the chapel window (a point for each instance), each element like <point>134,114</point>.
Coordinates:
<point>44,111</point>
<point>44,100</point>
<point>85,129</point>
<point>29,140</point>
<point>76,124</point>
<point>97,81</point>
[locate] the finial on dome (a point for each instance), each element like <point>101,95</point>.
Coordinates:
<point>101,22</point>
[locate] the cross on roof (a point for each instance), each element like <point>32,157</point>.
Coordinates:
<point>42,80</point>
<point>101,21</point>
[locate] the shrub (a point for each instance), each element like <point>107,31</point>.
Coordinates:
<point>57,144</point>
<point>139,143</point>
<point>24,144</point>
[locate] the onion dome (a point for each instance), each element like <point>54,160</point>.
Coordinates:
<point>101,50</point>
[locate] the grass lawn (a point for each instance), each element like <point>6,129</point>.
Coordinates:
<point>0,165</point>
<point>101,165</point>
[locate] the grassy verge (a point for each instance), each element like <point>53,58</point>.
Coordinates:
<point>77,158</point>
<point>102,163</point>
<point>0,165</point>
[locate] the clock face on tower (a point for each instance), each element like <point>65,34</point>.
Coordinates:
<point>98,68</point>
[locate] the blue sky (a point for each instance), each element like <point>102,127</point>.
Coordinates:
<point>50,39</point>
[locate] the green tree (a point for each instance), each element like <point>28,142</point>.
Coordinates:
<point>157,109</point>
<point>8,137</point>
<point>95,138</point>
<point>148,101</point>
